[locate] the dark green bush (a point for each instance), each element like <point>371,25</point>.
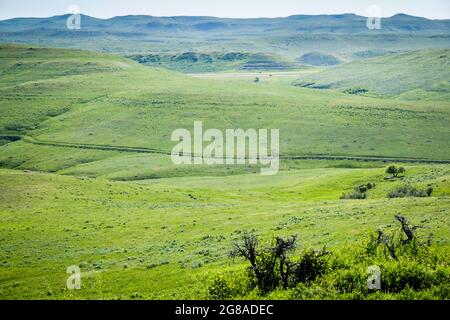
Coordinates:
<point>410,191</point>
<point>354,195</point>
<point>310,265</point>
<point>356,90</point>
<point>56,112</point>
<point>220,288</point>
<point>349,280</point>
<point>365,187</point>
<point>359,192</point>
<point>394,171</point>
<point>18,126</point>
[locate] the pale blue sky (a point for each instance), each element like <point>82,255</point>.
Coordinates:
<point>436,9</point>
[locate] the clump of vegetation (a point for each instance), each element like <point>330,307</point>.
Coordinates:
<point>410,191</point>
<point>354,195</point>
<point>310,84</point>
<point>365,187</point>
<point>318,59</point>
<point>391,242</point>
<point>200,61</point>
<point>309,267</point>
<point>395,171</point>
<point>18,126</point>
<point>360,192</point>
<point>356,90</point>
<point>303,83</point>
<point>56,112</point>
<point>270,266</point>
<point>409,267</point>
<point>233,56</point>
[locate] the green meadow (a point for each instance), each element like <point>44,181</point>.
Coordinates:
<point>86,177</point>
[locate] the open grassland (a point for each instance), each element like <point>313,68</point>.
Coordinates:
<point>135,106</point>
<point>74,190</point>
<point>166,239</point>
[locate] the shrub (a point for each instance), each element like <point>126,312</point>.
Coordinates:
<point>394,171</point>
<point>269,266</point>
<point>365,187</point>
<point>408,274</point>
<point>303,84</point>
<point>356,90</point>
<point>220,288</point>
<point>349,280</point>
<point>410,191</point>
<point>354,195</point>
<point>262,262</point>
<point>56,112</point>
<point>359,192</point>
<point>230,285</point>
<point>412,270</point>
<point>18,126</point>
<point>310,265</point>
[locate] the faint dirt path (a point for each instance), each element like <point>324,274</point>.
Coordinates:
<point>32,140</point>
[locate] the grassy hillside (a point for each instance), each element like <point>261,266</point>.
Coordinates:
<point>412,75</point>
<point>134,106</point>
<point>124,236</point>
<point>19,64</point>
<point>85,178</point>
<point>213,62</point>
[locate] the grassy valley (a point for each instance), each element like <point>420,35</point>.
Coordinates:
<point>123,234</point>
<point>86,176</point>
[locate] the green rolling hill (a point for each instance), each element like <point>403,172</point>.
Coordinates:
<point>85,178</point>
<point>423,74</point>
<point>111,101</point>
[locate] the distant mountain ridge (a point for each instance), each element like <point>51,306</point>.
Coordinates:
<point>302,23</point>
<point>343,36</point>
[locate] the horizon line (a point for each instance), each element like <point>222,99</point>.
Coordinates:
<point>217,17</point>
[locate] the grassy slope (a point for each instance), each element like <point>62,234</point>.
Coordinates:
<point>22,64</point>
<point>26,97</point>
<point>140,107</point>
<point>414,75</point>
<point>115,230</point>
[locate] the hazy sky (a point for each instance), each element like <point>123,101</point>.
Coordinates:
<point>436,9</point>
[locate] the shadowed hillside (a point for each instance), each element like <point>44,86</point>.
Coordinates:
<point>343,36</point>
